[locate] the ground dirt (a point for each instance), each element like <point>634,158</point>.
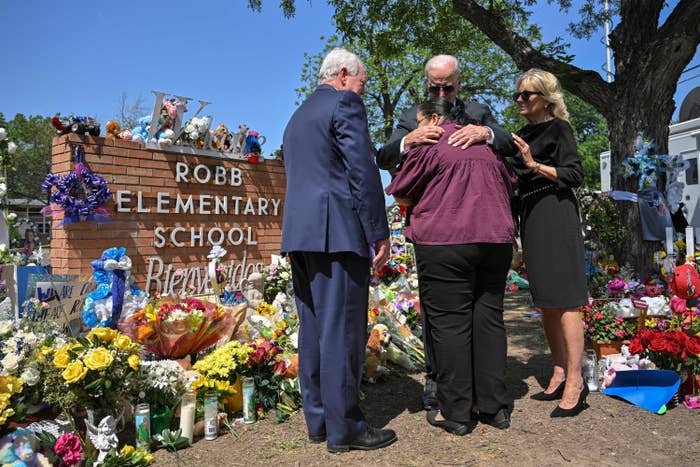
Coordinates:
<point>609,432</point>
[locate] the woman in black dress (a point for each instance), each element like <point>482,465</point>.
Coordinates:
<point>551,232</point>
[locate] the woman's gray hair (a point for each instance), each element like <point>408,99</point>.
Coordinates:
<point>337,59</point>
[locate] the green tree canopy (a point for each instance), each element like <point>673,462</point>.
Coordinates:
<point>33,136</point>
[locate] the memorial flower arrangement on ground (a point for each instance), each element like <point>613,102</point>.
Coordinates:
<point>11,408</point>
<point>278,278</point>
<point>161,382</point>
<point>266,370</point>
<point>95,372</point>
<point>174,327</point>
<point>601,324</point>
<point>24,348</point>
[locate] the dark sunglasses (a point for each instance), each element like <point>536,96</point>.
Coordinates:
<point>526,95</point>
<point>436,89</point>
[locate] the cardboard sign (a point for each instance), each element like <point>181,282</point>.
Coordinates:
<point>66,300</point>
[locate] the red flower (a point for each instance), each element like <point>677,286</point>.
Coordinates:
<point>657,343</point>
<point>678,305</point>
<point>636,346</point>
<point>280,367</point>
<point>673,347</point>
<point>692,345</point>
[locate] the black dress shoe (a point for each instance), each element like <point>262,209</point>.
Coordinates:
<point>317,439</point>
<point>552,396</point>
<point>373,438</point>
<point>575,410</point>
<point>429,397</point>
<point>500,419</point>
<point>456,428</point>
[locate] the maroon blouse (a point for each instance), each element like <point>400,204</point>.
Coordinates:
<point>461,195</point>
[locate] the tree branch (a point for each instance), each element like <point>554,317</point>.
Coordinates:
<point>586,84</point>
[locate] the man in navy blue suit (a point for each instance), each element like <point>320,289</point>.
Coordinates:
<point>334,220</point>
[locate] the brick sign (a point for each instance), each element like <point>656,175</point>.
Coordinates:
<point>169,209</point>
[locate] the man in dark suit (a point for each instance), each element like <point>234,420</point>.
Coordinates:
<point>443,80</point>
<point>334,216</point>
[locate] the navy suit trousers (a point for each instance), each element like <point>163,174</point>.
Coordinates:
<point>332,291</point>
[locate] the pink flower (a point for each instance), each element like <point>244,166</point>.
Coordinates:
<point>69,448</point>
<point>616,285</point>
<point>678,305</point>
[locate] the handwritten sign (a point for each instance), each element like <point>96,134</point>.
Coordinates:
<point>66,300</point>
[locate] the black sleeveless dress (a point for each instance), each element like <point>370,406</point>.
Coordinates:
<point>550,226</point>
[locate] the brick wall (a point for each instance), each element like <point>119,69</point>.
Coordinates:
<point>131,166</point>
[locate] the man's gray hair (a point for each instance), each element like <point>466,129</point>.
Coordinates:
<point>337,59</point>
<point>440,61</point>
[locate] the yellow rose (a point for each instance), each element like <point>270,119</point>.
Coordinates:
<point>134,362</point>
<point>126,450</point>
<point>103,334</point>
<point>74,372</point>
<point>122,342</point>
<point>99,359</point>
<point>61,359</point>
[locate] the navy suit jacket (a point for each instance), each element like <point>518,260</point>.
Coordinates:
<point>389,156</point>
<point>334,199</point>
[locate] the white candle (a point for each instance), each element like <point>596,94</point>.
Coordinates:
<point>187,411</point>
<point>669,240</point>
<point>689,242</point>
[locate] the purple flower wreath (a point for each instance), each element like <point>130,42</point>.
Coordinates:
<point>80,195</point>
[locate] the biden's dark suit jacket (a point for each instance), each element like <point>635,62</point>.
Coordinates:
<point>389,156</point>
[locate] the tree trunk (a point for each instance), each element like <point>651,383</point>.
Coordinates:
<point>640,112</point>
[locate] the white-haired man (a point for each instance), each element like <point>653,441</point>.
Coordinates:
<point>333,216</point>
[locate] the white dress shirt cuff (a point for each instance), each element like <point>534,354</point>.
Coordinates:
<point>402,152</point>
<point>488,141</point>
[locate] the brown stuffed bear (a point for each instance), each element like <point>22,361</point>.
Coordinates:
<point>112,128</point>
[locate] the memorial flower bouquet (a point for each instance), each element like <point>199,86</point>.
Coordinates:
<point>278,278</point>
<point>221,369</point>
<point>162,382</point>
<point>11,408</point>
<point>670,349</point>
<point>601,324</point>
<point>24,348</point>
<point>266,369</point>
<point>173,327</point>
<point>95,371</point>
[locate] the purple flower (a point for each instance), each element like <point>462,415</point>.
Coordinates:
<point>616,285</point>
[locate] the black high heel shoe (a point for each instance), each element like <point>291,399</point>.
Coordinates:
<point>575,410</point>
<point>551,396</point>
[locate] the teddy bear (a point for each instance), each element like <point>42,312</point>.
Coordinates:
<point>112,128</point>
<point>140,133</point>
<point>376,353</point>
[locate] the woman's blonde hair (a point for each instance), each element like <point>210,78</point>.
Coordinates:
<point>548,84</point>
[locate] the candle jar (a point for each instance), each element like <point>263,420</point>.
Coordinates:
<point>188,407</point>
<point>142,417</point>
<point>211,415</point>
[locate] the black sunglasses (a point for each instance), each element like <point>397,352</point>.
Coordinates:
<point>436,89</point>
<point>526,95</point>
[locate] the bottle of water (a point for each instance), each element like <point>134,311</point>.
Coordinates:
<point>590,371</point>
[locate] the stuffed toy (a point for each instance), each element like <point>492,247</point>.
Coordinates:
<point>221,138</point>
<point>112,128</point>
<point>292,367</point>
<point>76,124</point>
<point>376,353</point>
<point>140,133</point>
<point>252,143</point>
<point>126,134</point>
<point>240,138</point>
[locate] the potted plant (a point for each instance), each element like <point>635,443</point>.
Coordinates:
<point>161,383</point>
<point>604,329</point>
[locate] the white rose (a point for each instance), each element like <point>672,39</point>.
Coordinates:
<point>11,362</point>
<point>11,147</point>
<point>12,216</point>
<point>3,134</point>
<point>284,275</point>
<point>31,376</point>
<point>3,248</point>
<point>5,327</point>
<point>3,189</point>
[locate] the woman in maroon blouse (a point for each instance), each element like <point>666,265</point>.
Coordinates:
<point>462,229</point>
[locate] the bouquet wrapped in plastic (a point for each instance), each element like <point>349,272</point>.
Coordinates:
<point>174,327</point>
